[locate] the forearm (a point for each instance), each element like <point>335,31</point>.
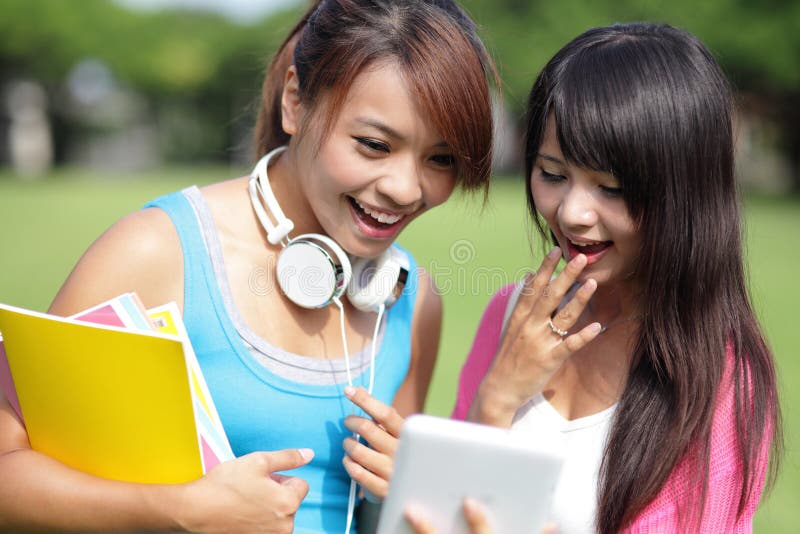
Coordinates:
<point>38,493</point>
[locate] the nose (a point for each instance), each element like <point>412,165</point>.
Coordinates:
<point>402,184</point>
<point>577,208</point>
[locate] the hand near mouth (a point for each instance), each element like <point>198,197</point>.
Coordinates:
<point>537,340</point>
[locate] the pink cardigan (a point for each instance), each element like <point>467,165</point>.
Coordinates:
<point>661,515</point>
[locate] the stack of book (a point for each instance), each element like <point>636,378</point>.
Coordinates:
<point>115,391</point>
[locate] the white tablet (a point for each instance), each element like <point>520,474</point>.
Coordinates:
<point>440,461</point>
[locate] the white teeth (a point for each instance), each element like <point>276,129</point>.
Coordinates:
<point>586,244</point>
<point>385,218</point>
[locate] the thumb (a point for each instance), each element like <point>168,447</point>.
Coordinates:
<point>271,461</point>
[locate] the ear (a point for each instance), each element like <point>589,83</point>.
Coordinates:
<point>291,107</point>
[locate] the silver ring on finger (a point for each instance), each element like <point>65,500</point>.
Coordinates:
<point>556,330</point>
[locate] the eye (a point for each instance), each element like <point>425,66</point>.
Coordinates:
<point>372,145</point>
<point>611,191</point>
<point>444,160</point>
<point>549,177</point>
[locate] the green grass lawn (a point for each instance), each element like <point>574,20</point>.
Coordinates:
<point>470,250</point>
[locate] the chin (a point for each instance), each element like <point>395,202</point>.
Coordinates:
<point>600,276</point>
<point>371,252</point>
<point>357,247</point>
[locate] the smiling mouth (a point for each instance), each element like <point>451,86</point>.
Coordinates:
<point>590,248</point>
<point>593,250</point>
<point>374,218</point>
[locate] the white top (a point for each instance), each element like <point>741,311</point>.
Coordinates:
<point>583,441</point>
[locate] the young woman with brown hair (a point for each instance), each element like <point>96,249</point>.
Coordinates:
<point>373,111</point>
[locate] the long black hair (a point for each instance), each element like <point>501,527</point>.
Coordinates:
<point>649,104</point>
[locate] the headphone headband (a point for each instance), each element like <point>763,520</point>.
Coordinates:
<point>261,190</point>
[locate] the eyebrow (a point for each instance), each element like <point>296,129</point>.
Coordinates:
<point>391,132</point>
<point>388,130</point>
<point>550,158</point>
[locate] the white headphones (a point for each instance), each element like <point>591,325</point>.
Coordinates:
<point>313,270</point>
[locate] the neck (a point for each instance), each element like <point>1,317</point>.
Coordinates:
<point>594,377</point>
<point>613,305</point>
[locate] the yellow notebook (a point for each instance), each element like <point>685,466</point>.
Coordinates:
<point>102,399</point>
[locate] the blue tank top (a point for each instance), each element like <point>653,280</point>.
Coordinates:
<point>262,411</point>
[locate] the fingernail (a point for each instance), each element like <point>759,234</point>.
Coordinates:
<point>595,328</point>
<point>554,253</point>
<point>307,454</point>
<point>349,391</point>
<point>413,513</point>
<point>471,506</point>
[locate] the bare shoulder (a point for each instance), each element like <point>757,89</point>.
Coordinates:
<point>230,207</point>
<point>426,327</point>
<point>141,252</point>
<point>429,300</point>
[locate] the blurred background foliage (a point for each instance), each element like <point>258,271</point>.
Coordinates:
<point>182,85</point>
<point>103,107</point>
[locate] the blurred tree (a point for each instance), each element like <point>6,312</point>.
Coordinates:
<point>757,43</point>
<point>201,73</point>
<point>197,71</point>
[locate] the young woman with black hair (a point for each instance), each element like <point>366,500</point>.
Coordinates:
<point>643,354</point>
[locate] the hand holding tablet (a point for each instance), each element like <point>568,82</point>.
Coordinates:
<point>441,462</point>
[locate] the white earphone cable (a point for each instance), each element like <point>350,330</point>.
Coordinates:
<point>351,506</point>
<point>381,309</point>
<point>344,340</point>
<point>351,501</point>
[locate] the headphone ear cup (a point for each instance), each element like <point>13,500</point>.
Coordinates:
<point>378,281</point>
<point>313,271</point>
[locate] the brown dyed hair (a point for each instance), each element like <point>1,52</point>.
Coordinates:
<point>436,47</point>
<point>649,104</point>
